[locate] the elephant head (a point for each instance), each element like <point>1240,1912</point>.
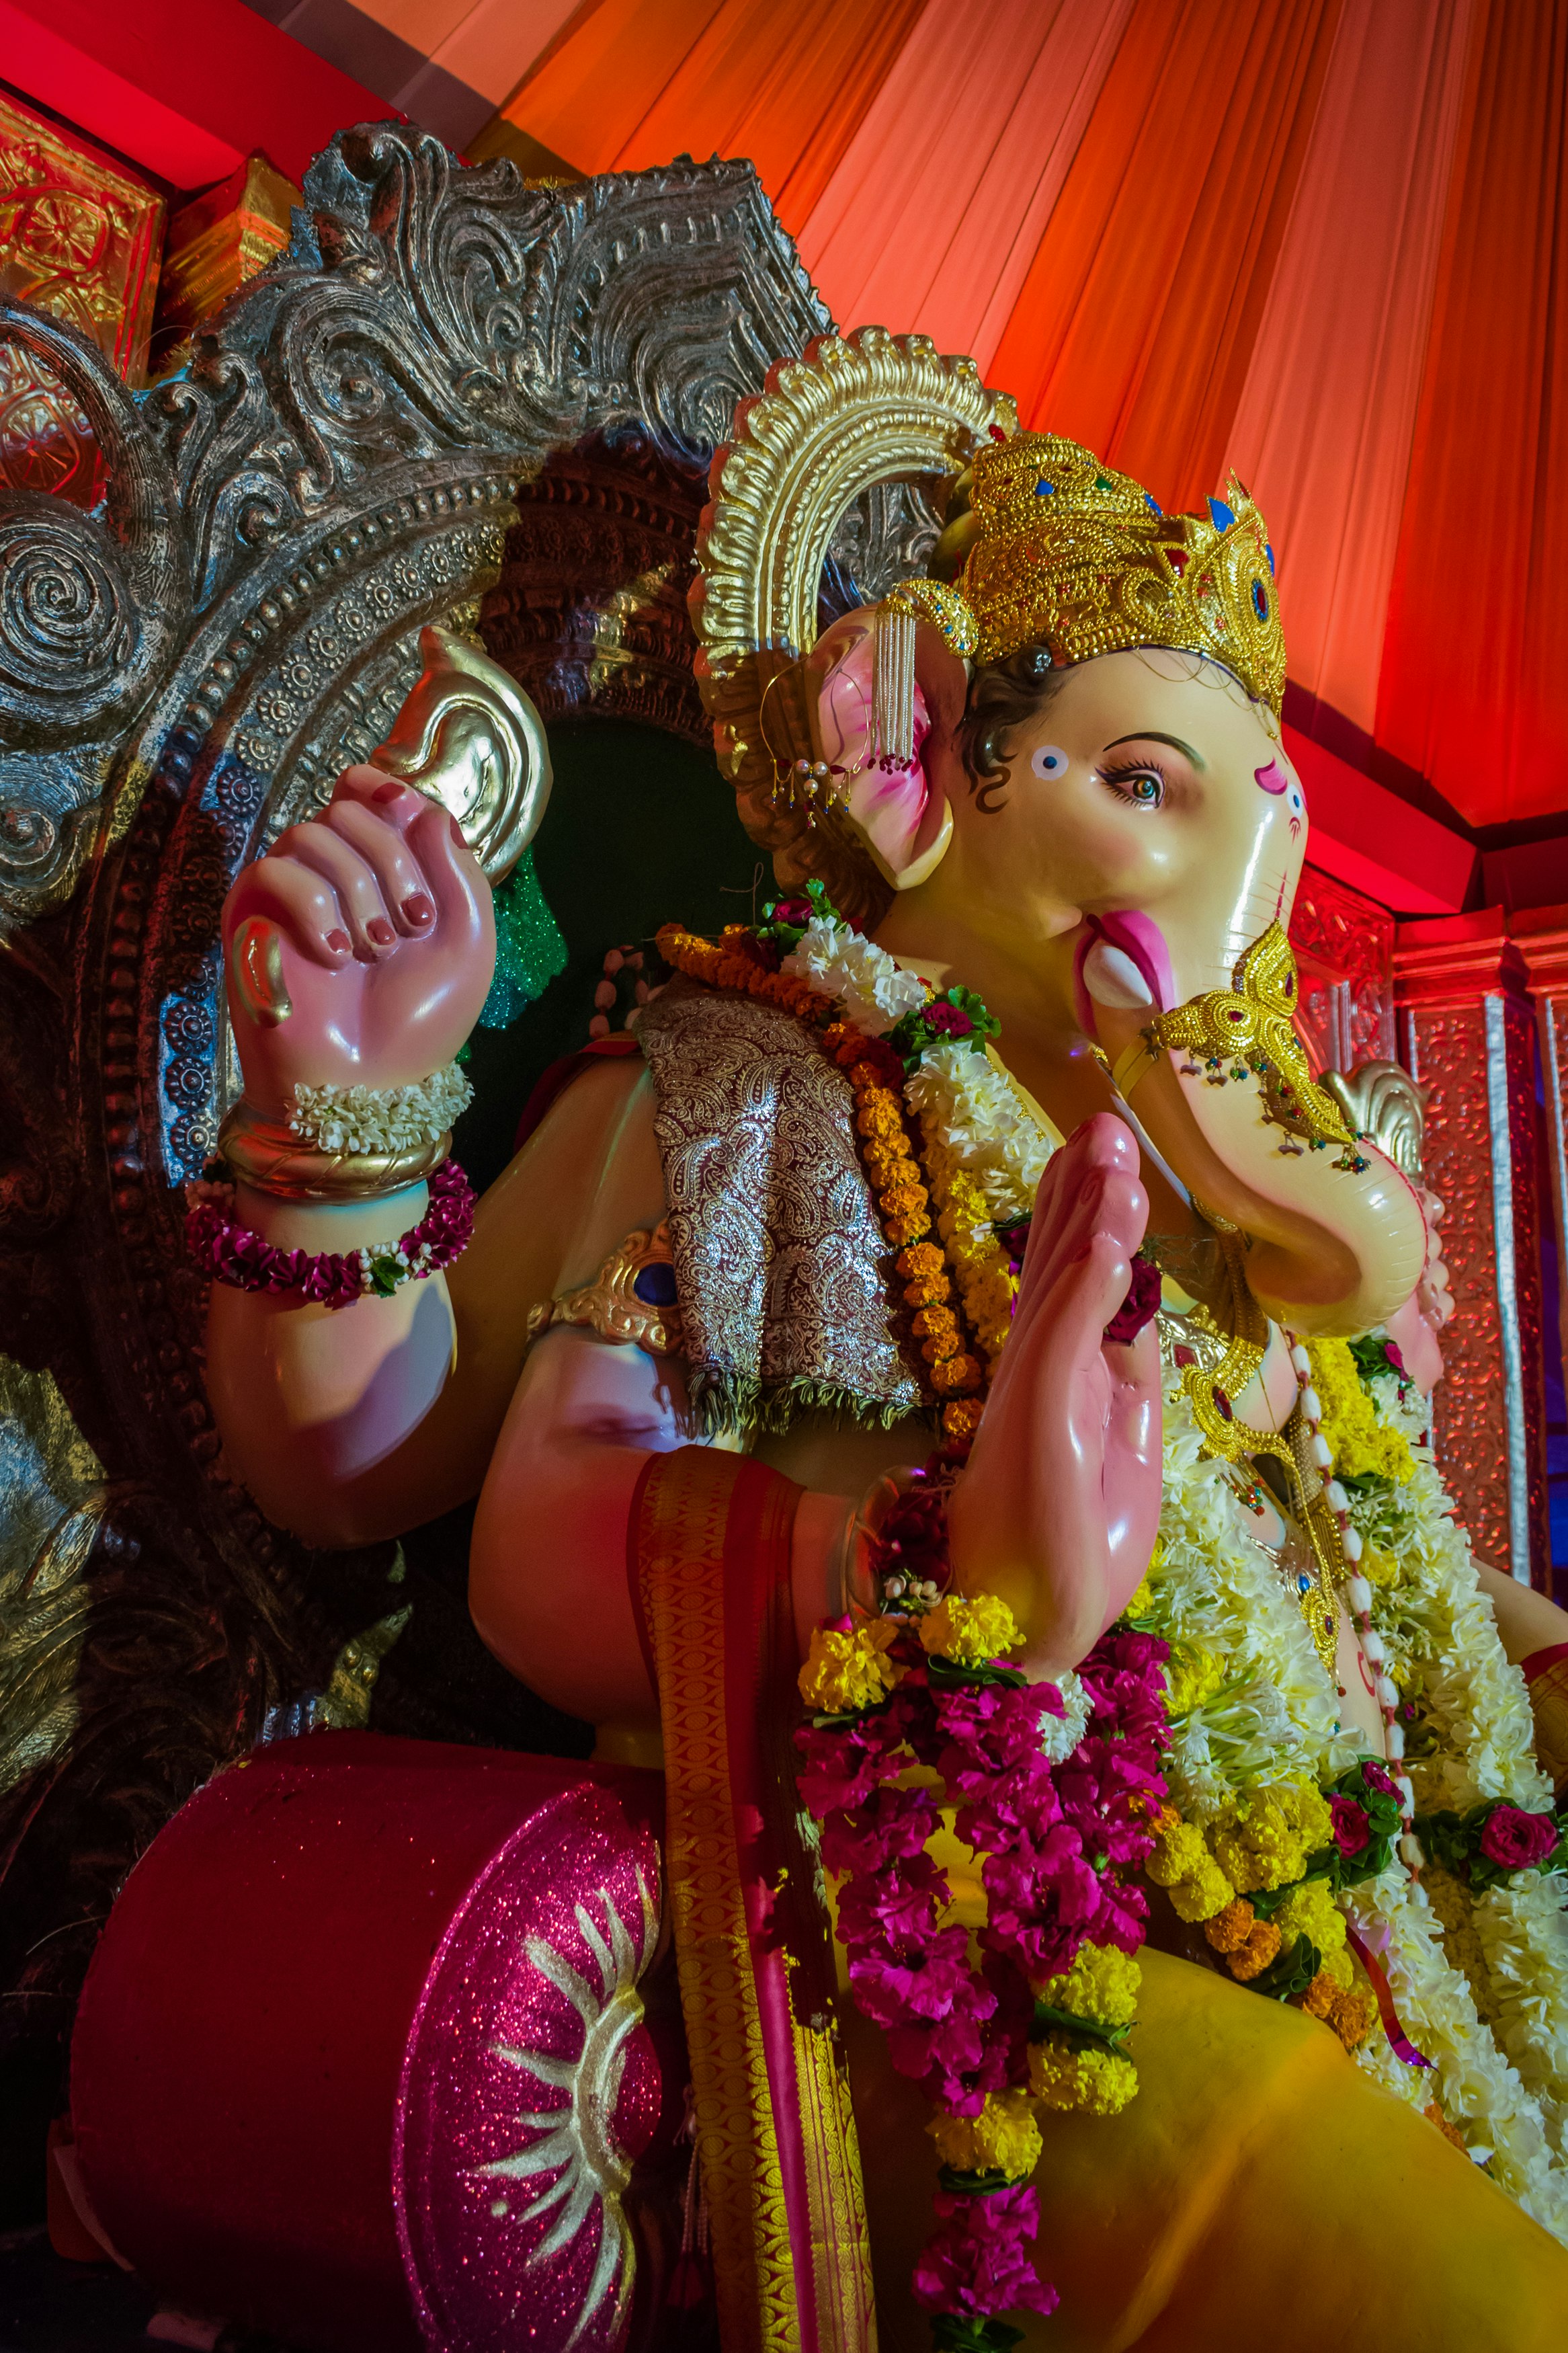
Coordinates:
<point>1098,839</point>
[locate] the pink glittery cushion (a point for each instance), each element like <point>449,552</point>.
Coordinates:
<point>362,2061</point>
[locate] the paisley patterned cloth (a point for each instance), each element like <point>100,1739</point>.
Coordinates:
<point>780,1263</point>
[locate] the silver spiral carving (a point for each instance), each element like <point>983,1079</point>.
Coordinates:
<point>91,613</point>
<point>67,617</point>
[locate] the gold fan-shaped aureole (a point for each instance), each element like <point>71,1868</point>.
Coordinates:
<point>857,409</point>
<point>468,737</point>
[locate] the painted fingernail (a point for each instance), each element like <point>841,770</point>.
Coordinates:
<point>339,943</point>
<point>379,930</point>
<point>417,907</point>
<point>387,792</point>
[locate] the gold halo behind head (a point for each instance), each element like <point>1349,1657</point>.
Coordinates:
<point>857,410</point>
<point>468,737</point>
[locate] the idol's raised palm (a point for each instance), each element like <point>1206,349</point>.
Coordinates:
<point>1058,1507</point>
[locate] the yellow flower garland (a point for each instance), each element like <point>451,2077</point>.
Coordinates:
<point>1360,1440</point>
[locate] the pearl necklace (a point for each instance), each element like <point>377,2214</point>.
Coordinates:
<point>1358,1599</point>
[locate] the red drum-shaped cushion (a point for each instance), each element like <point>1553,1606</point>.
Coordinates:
<point>361,2058</point>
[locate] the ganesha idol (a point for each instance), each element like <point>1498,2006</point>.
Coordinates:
<point>948,1390</point>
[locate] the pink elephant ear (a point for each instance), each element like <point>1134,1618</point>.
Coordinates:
<point>891,803</point>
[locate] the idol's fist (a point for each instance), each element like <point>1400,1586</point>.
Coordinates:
<point>359,949</point>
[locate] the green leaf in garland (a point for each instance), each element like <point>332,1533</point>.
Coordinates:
<point>1083,2034</point>
<point>971,2184</point>
<point>1292,1973</point>
<point>953,2332</point>
<point>948,1675</point>
<point>383,1273</point>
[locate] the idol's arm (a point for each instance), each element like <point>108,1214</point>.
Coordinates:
<point>548,1582</point>
<point>353,1423</point>
<point>1526,1620</point>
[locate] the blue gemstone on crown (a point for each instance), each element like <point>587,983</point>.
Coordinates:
<point>1044,489</point>
<point>655,1284</point>
<point>1220,514</point>
<point>1153,504</point>
<point>1304,1584</point>
<point>1268,552</point>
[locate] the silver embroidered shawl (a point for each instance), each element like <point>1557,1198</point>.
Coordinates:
<point>780,1261</point>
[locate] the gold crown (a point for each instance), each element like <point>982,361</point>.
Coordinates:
<point>1064,552</point>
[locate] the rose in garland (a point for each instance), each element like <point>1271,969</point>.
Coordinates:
<point>1490,1843</point>
<point>1516,1840</point>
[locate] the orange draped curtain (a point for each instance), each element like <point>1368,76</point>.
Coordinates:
<point>1322,434</point>
<point>634,83</point>
<point>1473,689</point>
<point>1135,325</point>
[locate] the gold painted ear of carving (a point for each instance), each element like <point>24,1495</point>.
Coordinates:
<point>468,737</point>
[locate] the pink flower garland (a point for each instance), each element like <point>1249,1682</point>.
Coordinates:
<point>1062,1846</point>
<point>232,1253</point>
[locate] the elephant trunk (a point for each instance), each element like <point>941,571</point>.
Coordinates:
<point>1331,1249</point>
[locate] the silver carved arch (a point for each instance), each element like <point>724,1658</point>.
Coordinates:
<point>456,396</point>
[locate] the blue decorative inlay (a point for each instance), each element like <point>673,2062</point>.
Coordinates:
<point>655,1284</point>
<point>1220,514</point>
<point>1261,600</point>
<point>1153,504</point>
<point>1304,1584</point>
<point>1044,489</point>
<point>1268,552</point>
<point>231,797</point>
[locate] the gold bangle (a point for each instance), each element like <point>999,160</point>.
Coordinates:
<point>269,1157</point>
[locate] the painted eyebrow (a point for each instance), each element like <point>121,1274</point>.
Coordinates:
<point>1153,736</point>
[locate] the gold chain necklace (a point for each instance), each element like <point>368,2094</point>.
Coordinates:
<point>1213,1377</point>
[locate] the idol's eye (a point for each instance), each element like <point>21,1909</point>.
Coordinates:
<point>1049,760</point>
<point>1140,782</point>
<point>1298,806</point>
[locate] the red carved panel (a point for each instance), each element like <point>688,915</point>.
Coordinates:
<point>1344,953</point>
<point>1444,1031</point>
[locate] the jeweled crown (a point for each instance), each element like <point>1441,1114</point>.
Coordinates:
<point>1065,552</point>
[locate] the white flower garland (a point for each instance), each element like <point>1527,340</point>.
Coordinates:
<point>978,1113</point>
<point>873,990</point>
<point>1436,1616</point>
<point>1275,1717</point>
<point>1217,1591</point>
<point>381,1119</point>
<point>1059,1734</point>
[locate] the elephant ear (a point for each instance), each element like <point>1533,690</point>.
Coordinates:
<point>898,807</point>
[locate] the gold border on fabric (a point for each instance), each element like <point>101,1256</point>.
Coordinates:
<point>681,1533</point>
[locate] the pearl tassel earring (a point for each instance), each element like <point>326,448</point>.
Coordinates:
<point>894,706</point>
<point>1358,1598</point>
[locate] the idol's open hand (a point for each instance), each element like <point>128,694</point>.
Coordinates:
<point>359,949</point>
<point>1058,1507</point>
